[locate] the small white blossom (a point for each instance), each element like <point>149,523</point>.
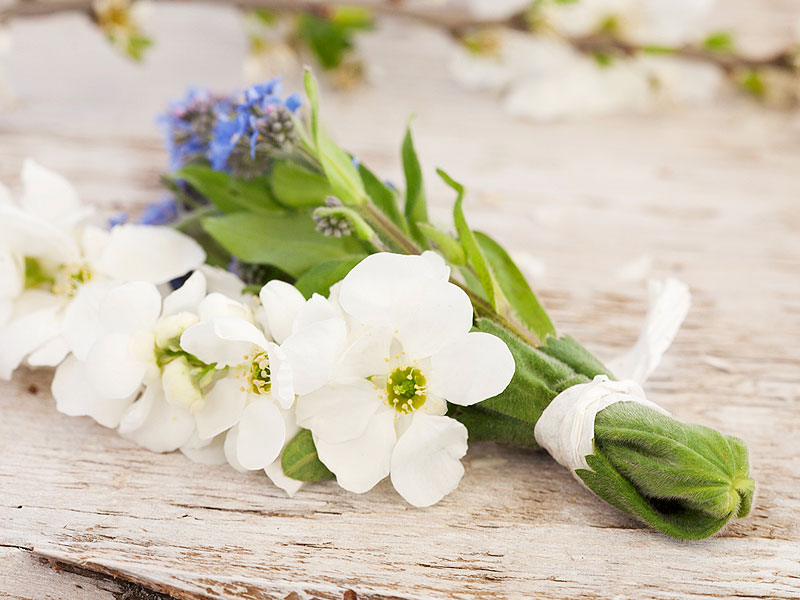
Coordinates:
<point>54,268</point>
<point>387,356</point>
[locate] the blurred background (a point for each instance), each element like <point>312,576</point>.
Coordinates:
<point>606,141</point>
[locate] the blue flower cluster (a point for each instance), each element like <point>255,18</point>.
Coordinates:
<point>228,131</point>
<point>259,115</point>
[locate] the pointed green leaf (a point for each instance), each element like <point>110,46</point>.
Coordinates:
<point>297,186</point>
<point>383,197</point>
<point>451,249</point>
<point>228,193</point>
<point>286,241</point>
<point>319,279</point>
<point>300,460</point>
<point>473,251</point>
<point>416,209</point>
<point>519,294</point>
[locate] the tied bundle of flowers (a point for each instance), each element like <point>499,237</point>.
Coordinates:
<point>395,343</point>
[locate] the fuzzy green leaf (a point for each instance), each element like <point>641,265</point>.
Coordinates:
<point>229,194</point>
<point>300,460</point>
<point>416,209</point>
<point>298,187</point>
<point>569,351</point>
<point>512,282</point>
<point>287,241</point>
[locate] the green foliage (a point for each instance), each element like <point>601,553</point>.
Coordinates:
<point>685,480</point>
<point>516,290</point>
<point>320,278</point>
<point>721,41</point>
<point>228,193</point>
<point>383,197</point>
<point>753,82</point>
<point>300,460</point>
<point>416,209</point>
<point>136,44</point>
<point>603,59</point>
<point>286,241</point>
<point>471,248</point>
<point>337,165</point>
<point>448,246</point>
<point>331,38</point>
<point>570,352</point>
<point>298,187</point>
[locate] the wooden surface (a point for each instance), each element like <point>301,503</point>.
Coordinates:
<point>710,195</point>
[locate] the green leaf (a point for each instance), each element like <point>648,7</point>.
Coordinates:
<point>486,425</point>
<point>720,41</point>
<point>337,164</point>
<point>300,460</point>
<point>297,186</point>
<point>383,197</point>
<point>511,281</point>
<point>286,241</point>
<point>753,82</point>
<point>451,249</point>
<point>229,193</point>
<point>416,209</point>
<point>319,279</point>
<point>473,251</point>
<point>569,351</point>
<point>328,41</point>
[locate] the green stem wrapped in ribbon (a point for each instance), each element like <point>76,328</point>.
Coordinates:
<point>687,481</point>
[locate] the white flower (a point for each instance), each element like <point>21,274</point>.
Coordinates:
<point>396,350</point>
<point>54,268</point>
<point>252,397</point>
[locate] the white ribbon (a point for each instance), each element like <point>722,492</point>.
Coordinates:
<point>566,427</point>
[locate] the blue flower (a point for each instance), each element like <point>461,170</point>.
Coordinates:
<point>227,133</point>
<point>118,219</point>
<point>186,126</point>
<point>162,212</point>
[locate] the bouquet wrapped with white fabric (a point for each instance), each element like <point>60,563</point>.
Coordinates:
<point>286,310</point>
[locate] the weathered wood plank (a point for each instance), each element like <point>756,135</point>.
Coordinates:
<point>710,195</point>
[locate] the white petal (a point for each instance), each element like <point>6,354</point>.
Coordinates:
<point>381,284</point>
<point>282,380</point>
<point>222,282</point>
<point>93,241</point>
<point>50,354</point>
<point>471,370</point>
<point>274,471</point>
<point>164,428</point>
<point>339,411</point>
<point>231,443</point>
<point>112,369</point>
<point>361,463</point>
<point>75,396</point>
<point>46,193</point>
<point>261,435</point>
<point>367,354</point>
<point>281,303</point>
<point>224,341</point>
<point>206,452</point>
<point>24,335</point>
<point>223,407</point>
<point>443,314</point>
<point>314,352</point>
<point>187,297</point>
<point>130,307</point>
<point>12,275</point>
<point>81,325</point>
<point>148,253</point>
<point>426,462</point>
<point>318,308</point>
<point>216,305</point>
<point>28,235</point>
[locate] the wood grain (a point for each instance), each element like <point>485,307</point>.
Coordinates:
<point>710,195</point>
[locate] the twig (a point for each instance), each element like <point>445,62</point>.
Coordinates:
<point>456,23</point>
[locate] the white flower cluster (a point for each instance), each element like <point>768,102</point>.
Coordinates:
<point>544,78</point>
<point>227,377</point>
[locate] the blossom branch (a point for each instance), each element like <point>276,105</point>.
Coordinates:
<point>457,24</point>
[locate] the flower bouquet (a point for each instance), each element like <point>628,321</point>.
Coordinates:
<point>287,310</point>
